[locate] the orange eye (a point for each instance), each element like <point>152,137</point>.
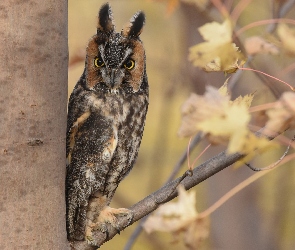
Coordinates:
<point>129,64</point>
<point>98,62</point>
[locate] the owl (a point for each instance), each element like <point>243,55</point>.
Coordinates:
<point>106,116</point>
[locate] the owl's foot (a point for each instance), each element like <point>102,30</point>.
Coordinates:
<point>108,216</point>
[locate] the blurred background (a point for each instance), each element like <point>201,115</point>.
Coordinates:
<point>262,215</point>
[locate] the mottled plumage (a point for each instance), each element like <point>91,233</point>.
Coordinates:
<point>106,116</point>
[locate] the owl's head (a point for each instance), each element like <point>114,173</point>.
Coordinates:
<point>115,62</point>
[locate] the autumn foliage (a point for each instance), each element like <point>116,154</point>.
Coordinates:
<point>224,120</point>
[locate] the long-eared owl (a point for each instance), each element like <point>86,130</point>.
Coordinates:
<point>106,116</point>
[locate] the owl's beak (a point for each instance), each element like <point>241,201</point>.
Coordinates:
<point>112,78</point>
<point>116,76</point>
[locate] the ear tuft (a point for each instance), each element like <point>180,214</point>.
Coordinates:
<point>105,19</point>
<point>134,28</point>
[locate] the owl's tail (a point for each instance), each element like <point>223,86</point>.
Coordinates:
<point>76,226</point>
<point>75,217</point>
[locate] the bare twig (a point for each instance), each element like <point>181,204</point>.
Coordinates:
<point>275,163</point>
<point>221,7</point>
<point>239,8</point>
<point>176,184</point>
<point>268,75</point>
<point>195,141</point>
<point>287,6</point>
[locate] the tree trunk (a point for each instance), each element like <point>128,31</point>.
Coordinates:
<point>33,98</point>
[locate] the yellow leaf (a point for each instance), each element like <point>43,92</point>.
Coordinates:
<point>210,31</point>
<point>218,53</point>
<point>255,145</point>
<point>222,120</point>
<point>231,124</point>
<point>258,144</point>
<point>247,100</point>
<point>287,36</point>
<point>223,90</point>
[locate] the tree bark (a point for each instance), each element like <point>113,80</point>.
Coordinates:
<point>33,98</point>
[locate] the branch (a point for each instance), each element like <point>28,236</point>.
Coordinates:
<point>164,194</point>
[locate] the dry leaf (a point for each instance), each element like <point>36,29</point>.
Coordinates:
<point>223,121</point>
<point>198,108</point>
<point>180,217</point>
<point>288,99</point>
<point>282,116</point>
<point>287,37</point>
<point>173,216</point>
<point>196,233</point>
<point>255,45</point>
<point>218,53</point>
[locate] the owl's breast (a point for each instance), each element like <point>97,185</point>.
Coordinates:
<point>117,107</point>
<point>109,139</point>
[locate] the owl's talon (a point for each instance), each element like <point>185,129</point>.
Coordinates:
<point>103,228</point>
<point>107,234</point>
<point>90,241</point>
<point>129,217</point>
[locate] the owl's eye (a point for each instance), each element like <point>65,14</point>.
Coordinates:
<point>98,62</point>
<point>129,64</point>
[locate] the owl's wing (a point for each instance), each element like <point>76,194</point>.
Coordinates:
<point>78,112</point>
<point>91,142</point>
